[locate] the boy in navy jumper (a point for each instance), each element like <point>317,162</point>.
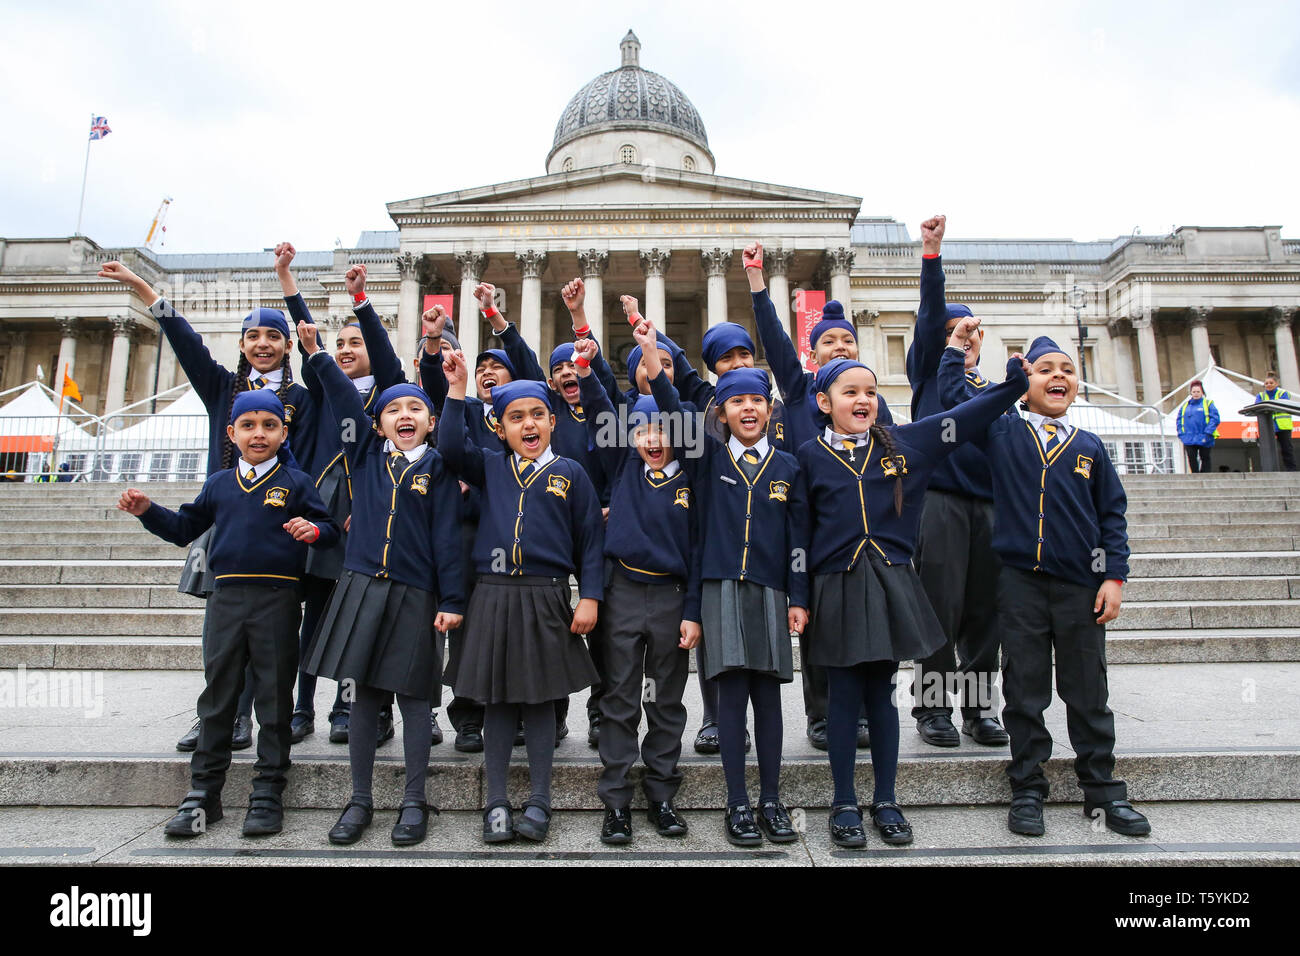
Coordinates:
<point>1063,540</point>
<point>263,515</point>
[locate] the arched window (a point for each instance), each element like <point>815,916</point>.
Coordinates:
<point>627,154</point>
<point>688,163</point>
<point>568,164</point>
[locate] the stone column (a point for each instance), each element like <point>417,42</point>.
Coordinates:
<point>1120,330</point>
<point>715,262</point>
<point>865,322</point>
<point>1198,318</point>
<point>472,265</point>
<point>16,364</point>
<point>1145,326</point>
<point>408,305</point>
<point>838,262</point>
<point>531,266</point>
<point>1280,317</point>
<point>594,262</point>
<point>67,351</point>
<point>654,264</point>
<point>778,284</point>
<point>115,395</point>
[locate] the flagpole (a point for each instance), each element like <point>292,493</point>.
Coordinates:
<point>84,170</point>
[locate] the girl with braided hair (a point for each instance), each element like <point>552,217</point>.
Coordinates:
<point>263,363</point>
<point>866,483</point>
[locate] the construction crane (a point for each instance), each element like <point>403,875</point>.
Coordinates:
<point>156,228</point>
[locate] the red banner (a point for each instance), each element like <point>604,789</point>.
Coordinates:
<point>808,312</point>
<point>443,300</point>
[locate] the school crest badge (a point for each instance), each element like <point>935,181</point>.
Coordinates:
<point>779,432</point>
<point>1083,466</point>
<point>276,497</point>
<point>420,484</point>
<point>778,490</point>
<point>683,497</point>
<point>894,465</point>
<point>288,413</point>
<point>558,485</point>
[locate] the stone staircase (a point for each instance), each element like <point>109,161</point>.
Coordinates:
<point>1203,670</point>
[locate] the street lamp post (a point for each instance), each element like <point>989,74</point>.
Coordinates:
<point>1077,302</point>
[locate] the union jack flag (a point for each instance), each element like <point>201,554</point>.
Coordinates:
<point>99,127</point>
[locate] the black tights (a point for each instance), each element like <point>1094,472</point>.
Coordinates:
<point>736,688</point>
<point>499,724</point>
<point>848,689</point>
<point>417,737</point>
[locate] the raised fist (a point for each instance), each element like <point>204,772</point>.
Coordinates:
<point>355,280</point>
<point>307,336</point>
<point>484,292</point>
<point>433,321</point>
<point>585,348</point>
<point>963,330</point>
<point>631,308</point>
<point>284,253</point>
<point>751,257</point>
<point>574,294</point>
<point>453,366</point>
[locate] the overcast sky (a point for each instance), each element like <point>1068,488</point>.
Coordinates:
<point>266,121</point>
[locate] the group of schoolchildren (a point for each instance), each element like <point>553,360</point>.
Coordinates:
<point>404,514</point>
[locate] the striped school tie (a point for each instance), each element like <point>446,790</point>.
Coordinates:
<point>525,468</point>
<point>1053,435</point>
<point>657,475</point>
<point>257,383</point>
<point>252,473</point>
<point>849,444</point>
<point>750,456</point>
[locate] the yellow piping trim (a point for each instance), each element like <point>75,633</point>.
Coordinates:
<point>253,486</point>
<point>278,577</point>
<point>658,574</point>
<point>862,502</point>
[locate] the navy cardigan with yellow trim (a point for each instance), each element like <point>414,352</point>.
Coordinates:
<point>853,499</point>
<point>405,515</point>
<point>249,544</point>
<point>1061,514</point>
<point>547,525</point>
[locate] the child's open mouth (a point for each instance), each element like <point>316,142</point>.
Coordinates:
<point>571,391</point>
<point>860,414</point>
<point>749,421</point>
<point>345,361</point>
<point>405,430</point>
<point>489,381</point>
<point>532,441</point>
<point>1056,391</point>
<point>654,454</point>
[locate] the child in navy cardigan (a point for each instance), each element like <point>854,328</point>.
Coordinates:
<point>866,483</point>
<point>263,514</point>
<point>652,600</point>
<point>263,363</point>
<point>1061,534</point>
<point>540,522</point>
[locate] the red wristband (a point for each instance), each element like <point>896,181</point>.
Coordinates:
<point>930,255</point>
<point>582,332</point>
<point>582,362</point>
<point>358,298</point>
<point>635,319</point>
<point>316,528</point>
<point>490,313</point>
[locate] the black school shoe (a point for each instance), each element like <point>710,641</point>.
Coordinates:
<point>617,828</point>
<point>197,811</point>
<point>774,820</point>
<point>665,819</point>
<point>1026,814</point>
<point>986,731</point>
<point>1120,817</point>
<point>937,730</point>
<point>242,738</point>
<point>530,829</point>
<point>302,724</point>
<point>593,730</point>
<point>498,823</point>
<point>437,731</point>
<point>384,731</point>
<point>409,834</point>
<point>896,834</point>
<point>345,834</point>
<point>339,726</point>
<point>190,741</point>
<point>706,741</point>
<point>741,828</point>
<point>469,739</point>
<point>265,815</point>
<point>561,731</point>
<point>817,732</point>
<point>850,835</point>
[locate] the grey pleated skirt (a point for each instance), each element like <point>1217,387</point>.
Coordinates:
<point>197,577</point>
<point>876,612</point>
<point>517,645</point>
<point>745,628</point>
<point>379,632</point>
<point>333,489</point>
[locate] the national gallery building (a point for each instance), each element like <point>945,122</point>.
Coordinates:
<point>631,201</point>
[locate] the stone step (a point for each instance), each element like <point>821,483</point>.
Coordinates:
<point>1152,527</point>
<point>1206,833</point>
<point>1173,616</point>
<point>1200,645</point>
<point>1215,563</point>
<point>1223,541</point>
<point>102,596</point>
<point>147,548</point>
<point>1229,519</point>
<point>102,622</point>
<point>1210,589</point>
<point>91,536</point>
<point>1216,507</point>
<point>90,572</point>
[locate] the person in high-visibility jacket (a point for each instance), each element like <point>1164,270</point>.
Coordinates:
<point>1198,422</point>
<point>1281,420</point>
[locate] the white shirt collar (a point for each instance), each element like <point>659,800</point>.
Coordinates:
<point>1063,426</point>
<point>411,454</point>
<point>258,470</point>
<point>541,461</point>
<point>273,377</point>
<point>669,469</point>
<point>737,449</point>
<point>836,440</point>
<point>363,383</point>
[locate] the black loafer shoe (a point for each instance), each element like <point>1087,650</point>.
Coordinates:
<point>817,733</point>
<point>345,834</point>
<point>706,741</point>
<point>864,734</point>
<point>850,835</point>
<point>339,727</point>
<point>519,735</point>
<point>498,824</point>
<point>748,743</point>
<point>986,731</point>
<point>937,730</point>
<point>189,742</point>
<point>530,829</point>
<point>617,828</point>
<point>437,731</point>
<point>265,815</point>
<point>384,730</point>
<point>741,828</point>
<point>409,834</point>
<point>774,820</point>
<point>1026,814</point>
<point>593,731</point>
<point>469,739</point>
<point>1120,817</point>
<point>197,811</point>
<point>894,833</point>
<point>301,725</point>
<point>665,819</point>
<point>242,738</point>
<point>561,731</point>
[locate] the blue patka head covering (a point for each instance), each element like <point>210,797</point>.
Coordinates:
<point>400,390</point>
<point>500,356</point>
<point>262,400</point>
<point>721,339</point>
<point>742,381</point>
<point>564,352</point>
<point>827,374</point>
<point>503,395</point>
<point>832,318</point>
<point>665,344</point>
<point>265,319</point>
<point>958,311</point>
<point>1043,346</point>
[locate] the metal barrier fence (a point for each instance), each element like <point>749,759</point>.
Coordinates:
<point>119,447</point>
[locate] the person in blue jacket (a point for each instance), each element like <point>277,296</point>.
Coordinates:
<point>1060,531</point>
<point>1198,423</point>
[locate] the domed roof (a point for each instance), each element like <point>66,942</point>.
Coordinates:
<point>630,97</point>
